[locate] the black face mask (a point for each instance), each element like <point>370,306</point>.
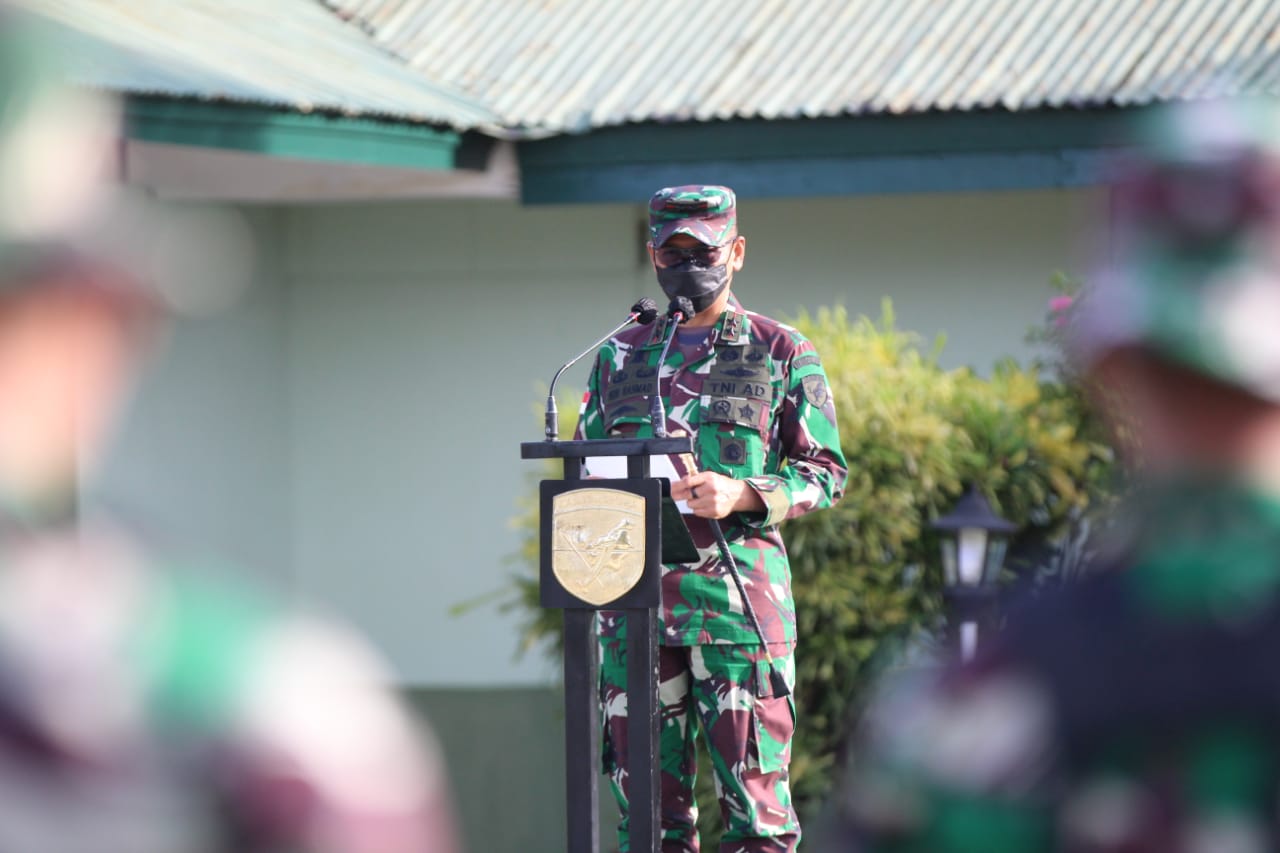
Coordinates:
<point>702,285</point>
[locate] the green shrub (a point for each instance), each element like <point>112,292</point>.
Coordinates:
<point>865,572</point>
<point>915,436</point>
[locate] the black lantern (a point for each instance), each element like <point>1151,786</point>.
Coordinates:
<point>973,546</point>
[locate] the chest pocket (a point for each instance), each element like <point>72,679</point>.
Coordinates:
<point>626,400</point>
<point>737,409</point>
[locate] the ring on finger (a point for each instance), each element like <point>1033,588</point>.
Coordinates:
<point>693,493</point>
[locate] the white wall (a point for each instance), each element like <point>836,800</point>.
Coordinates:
<point>974,266</point>
<point>421,336</point>
<point>200,458</point>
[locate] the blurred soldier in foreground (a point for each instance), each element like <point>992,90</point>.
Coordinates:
<point>143,707</point>
<point>1138,710</point>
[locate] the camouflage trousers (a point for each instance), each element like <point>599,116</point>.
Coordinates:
<point>724,691</point>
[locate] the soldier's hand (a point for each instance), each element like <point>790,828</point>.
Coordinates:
<point>712,495</point>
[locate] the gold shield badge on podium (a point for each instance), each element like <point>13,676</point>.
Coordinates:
<point>598,542</point>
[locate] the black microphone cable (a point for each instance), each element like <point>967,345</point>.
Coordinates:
<point>776,679</point>
<point>645,311</point>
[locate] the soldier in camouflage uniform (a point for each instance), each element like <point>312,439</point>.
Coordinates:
<point>1138,709</point>
<point>147,705</point>
<point>752,393</point>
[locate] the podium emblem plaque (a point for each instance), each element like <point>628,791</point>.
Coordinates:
<point>598,542</point>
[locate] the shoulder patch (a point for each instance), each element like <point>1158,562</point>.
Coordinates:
<point>815,390</point>
<point>805,360</point>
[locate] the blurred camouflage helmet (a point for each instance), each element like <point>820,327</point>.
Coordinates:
<point>58,142</point>
<point>1194,272</point>
<point>64,208</point>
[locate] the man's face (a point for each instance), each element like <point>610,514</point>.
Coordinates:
<point>688,268</point>
<point>682,247</point>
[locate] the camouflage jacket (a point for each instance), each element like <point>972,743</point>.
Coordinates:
<point>172,708</point>
<point>1134,711</point>
<point>756,400</point>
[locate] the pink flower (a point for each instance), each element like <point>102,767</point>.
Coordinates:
<point>1058,307</point>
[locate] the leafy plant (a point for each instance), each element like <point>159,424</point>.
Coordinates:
<point>865,573</point>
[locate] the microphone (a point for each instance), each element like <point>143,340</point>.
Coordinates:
<point>645,311</point>
<point>679,310</point>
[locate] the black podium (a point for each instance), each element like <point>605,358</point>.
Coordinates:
<point>603,543</point>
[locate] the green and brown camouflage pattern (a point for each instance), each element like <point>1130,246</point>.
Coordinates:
<point>157,707</point>
<point>724,691</point>
<point>705,212</point>
<point>757,401</point>
<point>754,396</point>
<point>1135,710</point>
<point>1193,271</point>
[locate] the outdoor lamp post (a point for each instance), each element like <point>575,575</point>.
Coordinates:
<point>973,546</point>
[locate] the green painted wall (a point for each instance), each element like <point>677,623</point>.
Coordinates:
<point>504,749</point>
<point>286,133</point>
<point>840,156</point>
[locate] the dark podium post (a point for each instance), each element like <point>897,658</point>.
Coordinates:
<point>603,543</point>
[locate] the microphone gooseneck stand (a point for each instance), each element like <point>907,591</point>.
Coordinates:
<point>644,312</point>
<point>680,309</point>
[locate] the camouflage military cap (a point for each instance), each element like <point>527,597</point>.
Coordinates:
<point>1194,273</point>
<point>706,213</point>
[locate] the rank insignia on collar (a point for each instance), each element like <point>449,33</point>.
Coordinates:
<point>732,328</point>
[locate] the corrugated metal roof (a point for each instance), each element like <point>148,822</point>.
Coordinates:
<point>289,53</point>
<point>557,65</point>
